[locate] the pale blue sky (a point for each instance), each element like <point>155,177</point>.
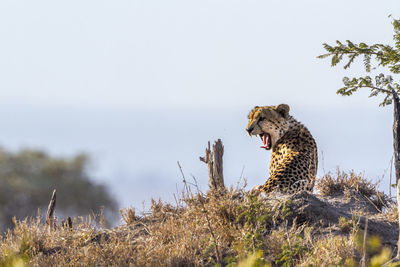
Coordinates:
<point>141,84</point>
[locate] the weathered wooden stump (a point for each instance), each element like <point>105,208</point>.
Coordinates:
<point>50,219</point>
<point>213,159</point>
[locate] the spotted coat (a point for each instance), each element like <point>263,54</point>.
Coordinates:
<point>294,158</point>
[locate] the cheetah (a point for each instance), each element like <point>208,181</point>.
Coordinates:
<point>294,158</point>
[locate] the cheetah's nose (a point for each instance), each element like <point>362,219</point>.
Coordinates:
<point>249,130</point>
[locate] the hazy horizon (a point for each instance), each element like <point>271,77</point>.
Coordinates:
<point>138,158</point>
<point>141,85</point>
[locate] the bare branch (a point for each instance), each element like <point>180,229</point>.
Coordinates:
<point>184,179</point>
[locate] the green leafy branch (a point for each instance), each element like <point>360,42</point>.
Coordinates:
<point>384,56</point>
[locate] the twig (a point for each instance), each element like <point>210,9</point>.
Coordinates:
<point>376,88</point>
<point>373,204</point>
<point>208,223</point>
<point>323,162</point>
<point>288,238</point>
<point>176,201</point>
<point>240,178</point>
<point>102,220</point>
<point>383,202</point>
<point>184,179</point>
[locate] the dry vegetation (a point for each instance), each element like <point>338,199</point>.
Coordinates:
<point>222,229</point>
<point>352,184</point>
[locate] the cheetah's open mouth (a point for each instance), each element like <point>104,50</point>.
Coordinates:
<point>266,139</point>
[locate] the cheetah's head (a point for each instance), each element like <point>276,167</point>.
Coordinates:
<point>269,122</point>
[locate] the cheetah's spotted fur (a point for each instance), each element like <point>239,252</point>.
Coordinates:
<point>294,158</point>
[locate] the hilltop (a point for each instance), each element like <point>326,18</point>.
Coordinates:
<point>228,227</point>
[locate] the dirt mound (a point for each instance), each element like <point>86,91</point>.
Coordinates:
<point>223,228</point>
<point>329,213</point>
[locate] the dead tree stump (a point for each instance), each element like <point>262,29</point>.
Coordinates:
<point>50,219</point>
<point>213,159</point>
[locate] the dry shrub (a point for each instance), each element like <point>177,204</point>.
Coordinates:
<point>352,184</point>
<point>216,228</point>
<point>31,241</point>
<point>202,230</point>
<point>330,185</point>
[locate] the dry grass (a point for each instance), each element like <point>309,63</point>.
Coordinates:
<point>214,229</point>
<point>331,251</point>
<point>392,213</point>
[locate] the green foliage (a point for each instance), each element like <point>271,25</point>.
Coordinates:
<point>254,260</point>
<point>13,260</point>
<point>373,243</point>
<point>258,218</point>
<point>345,225</point>
<point>377,254</point>
<point>256,215</point>
<point>292,251</point>
<point>28,177</point>
<point>382,258</point>
<point>384,56</point>
<point>21,256</point>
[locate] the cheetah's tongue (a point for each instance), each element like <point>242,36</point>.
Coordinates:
<point>266,141</point>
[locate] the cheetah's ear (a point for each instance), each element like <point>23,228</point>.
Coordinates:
<point>283,109</point>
